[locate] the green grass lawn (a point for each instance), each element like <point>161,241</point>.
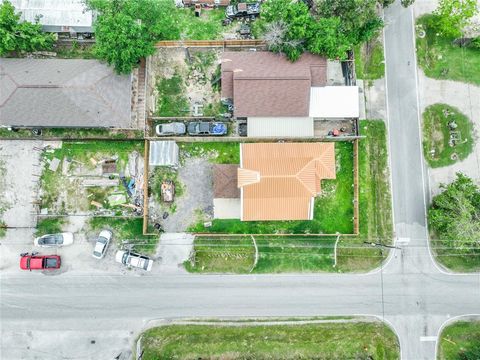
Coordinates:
<point>436,135</point>
<point>124,229</point>
<point>455,259</point>
<point>369,61</point>
<point>310,254</point>
<point>206,27</point>
<point>333,210</point>
<point>171,97</point>
<point>440,59</point>
<point>460,341</point>
<point>50,225</point>
<point>352,340</point>
<point>217,152</point>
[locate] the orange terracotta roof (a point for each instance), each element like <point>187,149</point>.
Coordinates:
<point>280,180</point>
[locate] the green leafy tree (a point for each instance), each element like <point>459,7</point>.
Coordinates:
<point>326,38</point>
<point>407,3</point>
<point>127,30</point>
<point>451,16</point>
<point>295,18</point>
<point>455,214</point>
<point>21,36</point>
<point>359,18</point>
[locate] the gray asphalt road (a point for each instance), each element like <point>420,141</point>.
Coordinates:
<point>109,309</point>
<point>96,317</point>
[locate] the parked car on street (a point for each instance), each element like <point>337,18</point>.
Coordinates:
<point>101,245</point>
<point>170,129</point>
<point>129,258</point>
<point>54,240</point>
<point>40,262</point>
<point>204,128</point>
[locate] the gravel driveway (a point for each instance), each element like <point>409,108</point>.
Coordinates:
<point>197,178</point>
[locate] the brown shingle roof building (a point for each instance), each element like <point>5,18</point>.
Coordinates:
<point>279,181</point>
<point>267,84</point>
<point>225,181</point>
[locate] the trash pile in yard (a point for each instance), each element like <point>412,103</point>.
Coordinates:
<point>101,184</point>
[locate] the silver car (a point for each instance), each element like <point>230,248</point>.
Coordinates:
<point>131,259</point>
<point>170,129</point>
<point>101,244</point>
<point>54,240</point>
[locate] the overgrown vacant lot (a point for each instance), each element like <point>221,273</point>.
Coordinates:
<point>460,341</point>
<point>350,340</point>
<point>441,59</point>
<point>80,184</point>
<point>309,254</point>
<point>333,209</point>
<point>438,132</point>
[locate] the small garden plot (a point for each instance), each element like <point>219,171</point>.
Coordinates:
<point>185,83</point>
<point>93,178</point>
<point>333,209</point>
<point>447,135</point>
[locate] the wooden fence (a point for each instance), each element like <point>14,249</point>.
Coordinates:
<point>211,43</point>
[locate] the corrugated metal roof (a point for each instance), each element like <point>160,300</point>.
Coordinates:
<point>334,102</point>
<point>56,13</point>
<point>284,127</point>
<point>290,176</point>
<point>163,153</point>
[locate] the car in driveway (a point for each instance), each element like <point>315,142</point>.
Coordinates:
<point>170,129</point>
<point>131,259</point>
<point>54,240</point>
<point>205,128</point>
<point>40,262</point>
<point>101,245</point>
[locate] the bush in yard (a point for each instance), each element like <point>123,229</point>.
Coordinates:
<point>21,36</point>
<point>127,30</point>
<point>454,215</point>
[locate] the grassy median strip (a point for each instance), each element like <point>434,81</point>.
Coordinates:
<point>350,340</point>
<point>460,341</point>
<point>440,58</point>
<point>447,135</point>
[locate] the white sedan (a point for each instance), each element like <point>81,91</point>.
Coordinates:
<point>101,244</point>
<point>132,259</point>
<point>54,240</point>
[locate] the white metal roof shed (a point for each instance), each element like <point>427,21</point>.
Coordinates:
<point>283,127</point>
<point>334,102</point>
<point>163,153</point>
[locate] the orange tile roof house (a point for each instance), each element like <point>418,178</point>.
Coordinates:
<point>279,181</point>
<point>279,98</point>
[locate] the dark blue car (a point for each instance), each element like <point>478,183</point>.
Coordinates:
<point>205,128</point>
